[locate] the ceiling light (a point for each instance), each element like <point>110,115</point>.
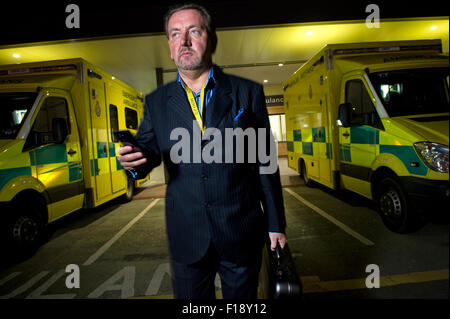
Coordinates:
<point>16,55</point>
<point>280,64</point>
<point>434,27</point>
<point>265,81</point>
<point>113,78</point>
<point>309,33</point>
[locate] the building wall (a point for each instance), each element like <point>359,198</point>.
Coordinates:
<point>276,116</point>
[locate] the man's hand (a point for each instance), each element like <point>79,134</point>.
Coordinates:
<point>129,159</point>
<point>277,238</point>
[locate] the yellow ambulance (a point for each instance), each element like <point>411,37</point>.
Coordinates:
<point>373,118</point>
<point>57,149</point>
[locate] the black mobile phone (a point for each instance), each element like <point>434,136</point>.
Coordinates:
<point>127,139</point>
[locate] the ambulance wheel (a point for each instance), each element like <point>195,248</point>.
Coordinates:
<point>25,233</point>
<point>393,206</point>
<point>128,196</point>
<point>304,172</point>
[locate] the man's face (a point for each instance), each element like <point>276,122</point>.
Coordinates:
<point>189,44</point>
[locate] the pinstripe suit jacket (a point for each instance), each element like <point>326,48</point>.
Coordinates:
<point>218,202</point>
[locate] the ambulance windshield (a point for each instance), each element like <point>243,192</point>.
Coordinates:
<point>13,111</point>
<point>413,91</point>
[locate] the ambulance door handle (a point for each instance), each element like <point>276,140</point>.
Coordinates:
<point>346,134</point>
<point>71,152</point>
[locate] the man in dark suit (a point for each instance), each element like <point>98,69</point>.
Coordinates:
<point>214,220</point>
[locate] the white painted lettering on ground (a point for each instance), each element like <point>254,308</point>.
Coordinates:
<point>158,276</point>
<point>122,281</point>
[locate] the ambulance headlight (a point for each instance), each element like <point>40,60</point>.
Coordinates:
<point>434,155</point>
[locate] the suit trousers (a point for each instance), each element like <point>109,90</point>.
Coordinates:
<point>197,280</point>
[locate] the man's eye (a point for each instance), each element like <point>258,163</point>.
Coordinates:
<point>175,35</point>
<point>196,32</point>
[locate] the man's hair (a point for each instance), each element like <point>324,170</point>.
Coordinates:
<point>209,23</point>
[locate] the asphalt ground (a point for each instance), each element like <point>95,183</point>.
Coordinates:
<point>338,243</point>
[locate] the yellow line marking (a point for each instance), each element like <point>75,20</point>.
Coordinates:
<point>312,284</point>
<point>218,296</point>
<point>330,218</point>
<point>385,281</point>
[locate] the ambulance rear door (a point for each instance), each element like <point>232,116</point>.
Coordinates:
<point>100,163</point>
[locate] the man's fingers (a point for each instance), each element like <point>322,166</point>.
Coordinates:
<point>277,238</point>
<point>130,157</point>
<point>130,160</point>
<point>282,240</point>
<point>133,164</point>
<point>282,243</point>
<point>273,244</point>
<point>124,150</point>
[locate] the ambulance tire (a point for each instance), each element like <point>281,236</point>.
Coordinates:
<point>304,173</point>
<point>128,196</point>
<point>397,215</point>
<point>24,233</point>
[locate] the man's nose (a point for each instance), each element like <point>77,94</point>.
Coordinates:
<point>186,39</point>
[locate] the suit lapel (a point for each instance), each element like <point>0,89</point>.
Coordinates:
<point>221,101</point>
<point>178,102</point>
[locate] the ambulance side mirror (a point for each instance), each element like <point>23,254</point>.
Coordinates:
<point>345,114</point>
<point>60,132</point>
